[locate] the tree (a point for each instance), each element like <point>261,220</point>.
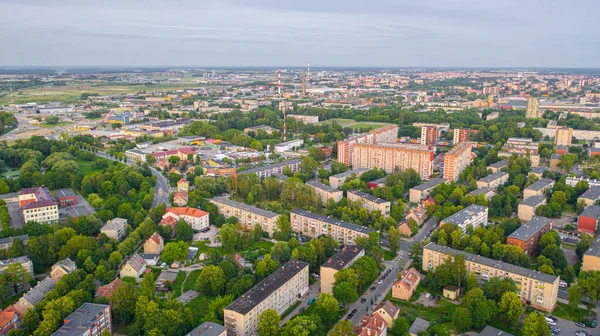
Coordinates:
<point>399,327</point>
<point>345,293</point>
<point>461,319</point>
<point>568,274</point>
<point>211,281</point>
<point>174,251</point>
<point>266,266</point>
<point>343,328</point>
<point>268,323</point>
<point>327,308</point>
<point>284,228</point>
<point>496,287</point>
<point>546,269</point>
<point>229,237</point>
<point>52,120</point>
<point>511,306</point>
<point>148,286</point>
<point>588,285</point>
<point>309,166</point>
<point>215,308</point>
<point>472,281</point>
<point>556,255</point>
<point>281,252</point>
<point>123,302</point>
<point>302,326</point>
<point>535,325</point>
<point>183,231</point>
<point>481,310</point>
<point>394,237</point>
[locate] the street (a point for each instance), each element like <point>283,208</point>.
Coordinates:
<point>423,233</point>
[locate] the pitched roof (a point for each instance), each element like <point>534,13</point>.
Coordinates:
<point>66,264</point>
<point>37,293</point>
<point>156,238</point>
<point>107,290</point>
<point>186,211</point>
<point>7,315</point>
<point>418,325</point>
<point>410,277</point>
<point>389,308</point>
<point>136,262</point>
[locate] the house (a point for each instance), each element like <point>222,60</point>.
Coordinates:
<point>165,279</point>
<point>10,318</point>
<point>590,196</point>
<point>588,220</point>
<point>427,201</point>
<point>180,198</point>
<point>89,319</point>
<point>240,261</point>
<point>418,214</point>
<point>115,228</point>
<point>66,197</point>
<point>527,207</point>
<point>154,244</point>
<point>208,329</point>
<point>418,325</point>
<point>491,331</point>
<point>62,268</point>
<point>388,311</point>
<point>373,325</point>
<point>404,229</point>
<point>35,294</point>
<point>451,292</point>
<point>107,290</point>
<point>183,185</point>
<point>196,218</point>
<point>151,259</point>
<point>404,288</point>
<point>133,267</point>
<point>5,243</point>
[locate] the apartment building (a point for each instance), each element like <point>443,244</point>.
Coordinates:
<point>196,218</point>
<point>591,257</point>
<point>313,225</point>
<point>278,291</point>
<point>65,197</point>
<point>326,192</point>
<point>474,215</point>
<point>527,235</point>
<point>493,181</point>
<point>35,294</point>
<point>496,167</point>
<point>589,220</point>
<point>135,155</point>
<point>521,147</point>
<point>418,193</point>
<point>208,329</point>
<point>461,135</point>
<point>289,145</point>
<point>533,108</point>
<point>247,215</point>
<point>38,204</point>
<point>62,268</point>
<point>23,260</point>
<point>428,135</point>
<point>276,168</point>
<point>527,207</point>
<point>5,243</point>
<point>387,134</point>
<point>91,319</point>
<point>391,156</point>
<point>344,258</point>
<point>564,136</point>
<point>336,181</point>
<point>538,188</point>
<point>590,196</point>
<point>441,128</point>
<point>370,202</point>
<point>456,160</point>
<point>307,119</point>
<point>115,228</point>
<point>540,290</point>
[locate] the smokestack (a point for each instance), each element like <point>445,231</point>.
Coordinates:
<point>308,73</point>
<point>279,81</point>
<point>303,85</point>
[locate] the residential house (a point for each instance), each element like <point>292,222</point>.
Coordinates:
<point>115,228</point>
<point>5,243</point>
<point>404,288</point>
<point>154,244</point>
<point>133,267</point>
<point>62,268</point>
<point>10,318</point>
<point>388,311</point>
<point>35,294</point>
<point>418,325</point>
<point>196,218</point>
<point>180,198</point>
<point>107,290</point>
<point>373,325</point>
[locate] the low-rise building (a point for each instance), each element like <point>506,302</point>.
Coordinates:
<point>66,197</point>
<point>474,215</point>
<point>590,196</point>
<point>5,243</point>
<point>91,319</point>
<point>23,260</point>
<point>344,258</point>
<point>38,205</point>
<point>423,190</point>
<point>35,294</point>
<point>313,225</point>
<point>419,324</point>
<point>491,331</point>
<point>278,291</point>
<point>591,257</point>
<point>326,192</point>
<point>538,188</point>
<point>155,244</point>
<point>115,228</point>
<point>208,329</point>
<point>276,168</point>
<point>107,290</point>
<point>589,219</point>
<point>493,181</point>
<point>136,155</point>
<point>10,318</point>
<point>336,181</point>
<point>527,207</point>
<point>196,218</point>
<point>373,325</point>
<point>247,215</point>
<point>62,268</point>
<point>134,267</point>
<point>370,202</point>
<point>388,311</point>
<point>451,292</point>
<point>405,287</point>
<point>488,193</point>
<point>496,167</point>
<point>288,145</point>
<point>267,129</point>
<point>527,235</point>
<point>540,290</point>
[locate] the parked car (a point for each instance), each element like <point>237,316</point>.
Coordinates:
<point>363,300</point>
<point>437,298</point>
<point>301,309</point>
<point>580,324</point>
<point>373,289</point>
<point>379,282</point>
<point>581,333</point>
<point>428,295</point>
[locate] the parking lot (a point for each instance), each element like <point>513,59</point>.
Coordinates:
<point>568,328</point>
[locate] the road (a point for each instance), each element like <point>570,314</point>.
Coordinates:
<point>423,233</point>
<point>161,189</point>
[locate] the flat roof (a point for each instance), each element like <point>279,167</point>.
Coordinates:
<point>428,185</point>
<point>499,164</point>
<point>343,257</point>
<point>266,287</point>
<point>67,192</point>
<point>368,197</point>
<point>271,166</point>
<point>534,201</point>
<point>81,319</point>
<point>207,329</point>
<point>245,207</point>
<point>480,191</point>
<point>540,184</point>
<point>491,331</point>
<point>464,214</point>
<point>592,211</point>
<point>333,221</point>
<point>322,186</point>
<point>527,230</point>
<point>522,271</point>
<point>594,249</point>
<point>493,177</point>
<point>356,171</point>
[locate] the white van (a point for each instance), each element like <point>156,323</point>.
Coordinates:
<point>563,284</point>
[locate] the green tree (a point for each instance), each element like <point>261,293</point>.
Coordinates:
<point>482,310</point>
<point>268,323</point>
<point>183,231</point>
<point>123,302</point>
<point>461,319</point>
<point>343,328</point>
<point>511,306</point>
<point>345,292</point>
<point>302,326</point>
<point>174,251</point>
<point>327,307</point>
<point>266,266</point>
<point>535,325</point>
<point>394,237</point>
<point>496,287</point>
<point>472,281</point>
<point>211,281</point>
<point>148,286</point>
<point>215,308</point>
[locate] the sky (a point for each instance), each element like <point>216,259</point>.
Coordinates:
<point>345,33</point>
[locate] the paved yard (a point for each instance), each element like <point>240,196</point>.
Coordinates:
<point>16,216</point>
<point>208,235</point>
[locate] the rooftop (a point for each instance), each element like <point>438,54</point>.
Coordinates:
<point>592,211</point>
<point>37,293</point>
<point>540,184</point>
<point>593,193</point>
<point>81,320</point>
<point>368,197</point>
<point>418,325</point>
<point>534,201</point>
<point>494,177</point>
<point>465,214</point>
<point>345,174</point>
<point>266,287</point>
<point>343,257</point>
<point>491,331</point>
<point>480,191</point>
<point>115,224</point>
<point>186,211</point>
<point>272,166</point>
<point>68,192</point>
<point>10,240</point>
<point>527,230</point>
<point>207,329</point>
<point>333,221</point>
<point>594,249</point>
<point>499,164</point>
<point>245,207</point>
<point>429,184</point>
<point>322,186</point>
<point>522,271</point>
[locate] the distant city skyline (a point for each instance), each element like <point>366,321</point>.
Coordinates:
<point>334,33</point>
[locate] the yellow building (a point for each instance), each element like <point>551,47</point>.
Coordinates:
<point>326,192</point>
<point>540,290</point>
<point>313,225</point>
<point>370,202</point>
<point>343,259</point>
<point>247,215</point>
<point>591,257</point>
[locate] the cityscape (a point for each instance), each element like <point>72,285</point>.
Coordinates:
<point>261,168</point>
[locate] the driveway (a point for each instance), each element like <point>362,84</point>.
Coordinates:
<point>16,216</point>
<point>313,292</point>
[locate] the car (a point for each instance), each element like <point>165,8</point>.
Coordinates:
<point>580,324</point>
<point>315,275</point>
<point>373,289</point>
<point>363,300</point>
<point>432,298</point>
<point>552,318</point>
<point>301,309</point>
<point>428,295</point>
<point>354,311</point>
<point>391,268</point>
<point>581,333</point>
<point>163,265</point>
<point>274,240</point>
<point>437,298</point>
<point>554,329</point>
<point>379,282</point>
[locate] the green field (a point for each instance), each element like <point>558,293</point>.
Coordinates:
<point>199,307</point>
<point>85,167</point>
<point>365,125</point>
<point>341,122</point>
<point>60,124</point>
<point>567,312</point>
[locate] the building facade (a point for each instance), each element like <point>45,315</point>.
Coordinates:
<point>38,204</point>
<point>461,135</point>
<point>391,156</point>
<point>591,257</point>
<point>404,287</point>
<point>276,168</point>
<point>527,207</point>
<point>370,202</point>
<point>247,215</point>
<point>564,136</point>
<point>474,215</point>
<point>325,192</point>
<point>338,180</point>
<point>387,134</point>
<point>493,181</point>
<point>418,193</point>
<point>313,225</point>
<point>91,319</point>
<point>538,188</point>
<point>344,258</point>
<point>527,235</point>
<point>115,228</point>
<point>533,108</point>
<point>196,218</point>
<point>428,135</point>
<point>588,221</point>
<point>456,160</point>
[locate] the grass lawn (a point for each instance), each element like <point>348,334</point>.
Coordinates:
<point>177,284</point>
<point>389,255</point>
<point>341,122</point>
<point>85,167</point>
<point>440,314</point>
<point>190,282</point>
<point>567,312</point>
<point>199,307</point>
<point>203,248</point>
<point>367,125</point>
<point>60,124</point>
